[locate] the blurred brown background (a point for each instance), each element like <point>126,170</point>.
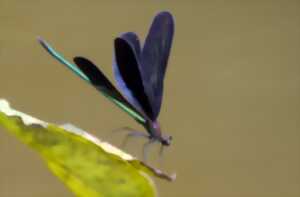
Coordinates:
<point>231,101</point>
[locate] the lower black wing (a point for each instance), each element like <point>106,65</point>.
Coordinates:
<point>101,83</point>
<point>89,72</point>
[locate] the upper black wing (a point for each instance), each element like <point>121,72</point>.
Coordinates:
<point>128,74</point>
<point>134,42</point>
<point>154,58</point>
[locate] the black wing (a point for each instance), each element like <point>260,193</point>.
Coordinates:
<point>133,40</point>
<point>154,58</point>
<point>101,83</point>
<point>128,73</point>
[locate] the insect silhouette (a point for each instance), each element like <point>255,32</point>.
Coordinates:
<point>139,74</point>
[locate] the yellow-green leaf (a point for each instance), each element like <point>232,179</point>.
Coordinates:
<point>88,166</point>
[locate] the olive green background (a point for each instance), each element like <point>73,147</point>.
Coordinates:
<point>231,100</point>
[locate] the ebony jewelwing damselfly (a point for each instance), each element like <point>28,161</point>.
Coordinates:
<point>139,73</point>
